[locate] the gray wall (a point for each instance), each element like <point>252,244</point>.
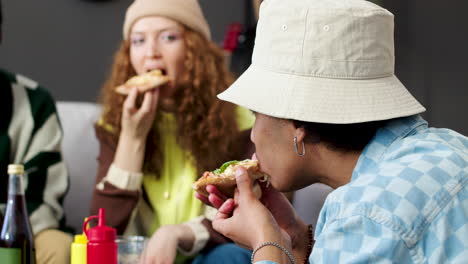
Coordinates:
<point>68,45</point>
<point>431,39</point>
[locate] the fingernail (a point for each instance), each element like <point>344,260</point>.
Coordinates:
<point>238,172</point>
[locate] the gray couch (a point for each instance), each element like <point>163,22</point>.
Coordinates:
<point>80,149</point>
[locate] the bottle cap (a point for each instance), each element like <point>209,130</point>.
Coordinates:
<point>15,169</point>
<point>101,232</point>
<point>81,238</point>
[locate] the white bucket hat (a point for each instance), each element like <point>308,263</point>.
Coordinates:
<point>324,61</point>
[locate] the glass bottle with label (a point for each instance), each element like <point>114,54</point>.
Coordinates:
<point>16,238</point>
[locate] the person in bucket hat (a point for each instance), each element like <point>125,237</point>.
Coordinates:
<point>330,109</point>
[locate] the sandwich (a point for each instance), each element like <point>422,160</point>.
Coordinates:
<point>143,82</point>
<point>224,178</point>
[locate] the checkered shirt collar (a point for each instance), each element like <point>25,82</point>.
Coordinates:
<point>393,131</point>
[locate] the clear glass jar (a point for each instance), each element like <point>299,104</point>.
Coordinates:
<point>130,248</point>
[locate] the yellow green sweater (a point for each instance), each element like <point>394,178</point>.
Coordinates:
<point>171,195</point>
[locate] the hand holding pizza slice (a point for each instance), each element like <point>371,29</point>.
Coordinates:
<point>143,82</point>
<point>224,178</point>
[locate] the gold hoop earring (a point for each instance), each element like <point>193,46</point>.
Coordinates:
<point>297,149</point>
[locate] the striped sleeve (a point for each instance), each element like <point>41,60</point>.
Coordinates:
<point>36,137</point>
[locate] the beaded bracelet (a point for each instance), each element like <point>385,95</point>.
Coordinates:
<point>290,256</point>
<point>310,231</point>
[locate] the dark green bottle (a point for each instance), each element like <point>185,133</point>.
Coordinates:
<point>16,238</point>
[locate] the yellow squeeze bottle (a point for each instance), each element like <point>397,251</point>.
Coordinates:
<point>78,249</point>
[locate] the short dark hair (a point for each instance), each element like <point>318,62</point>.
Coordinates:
<point>340,137</point>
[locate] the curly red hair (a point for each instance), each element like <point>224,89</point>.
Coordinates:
<point>206,126</point>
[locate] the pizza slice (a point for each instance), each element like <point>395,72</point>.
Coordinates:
<point>143,82</point>
<point>224,178</point>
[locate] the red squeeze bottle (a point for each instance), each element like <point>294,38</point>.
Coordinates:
<point>101,248</point>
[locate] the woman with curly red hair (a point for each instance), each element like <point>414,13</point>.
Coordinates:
<point>154,145</point>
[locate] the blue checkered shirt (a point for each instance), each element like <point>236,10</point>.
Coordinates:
<point>407,201</point>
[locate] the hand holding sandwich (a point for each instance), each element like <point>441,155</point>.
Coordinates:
<point>137,121</point>
<point>248,222</point>
<point>276,202</point>
<point>272,204</point>
<point>136,124</point>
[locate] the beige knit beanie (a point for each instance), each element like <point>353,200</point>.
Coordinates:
<point>186,12</point>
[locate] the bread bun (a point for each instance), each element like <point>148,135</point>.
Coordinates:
<point>143,82</point>
<point>224,178</point>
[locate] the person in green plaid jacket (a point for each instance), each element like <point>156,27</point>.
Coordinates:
<point>30,134</point>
